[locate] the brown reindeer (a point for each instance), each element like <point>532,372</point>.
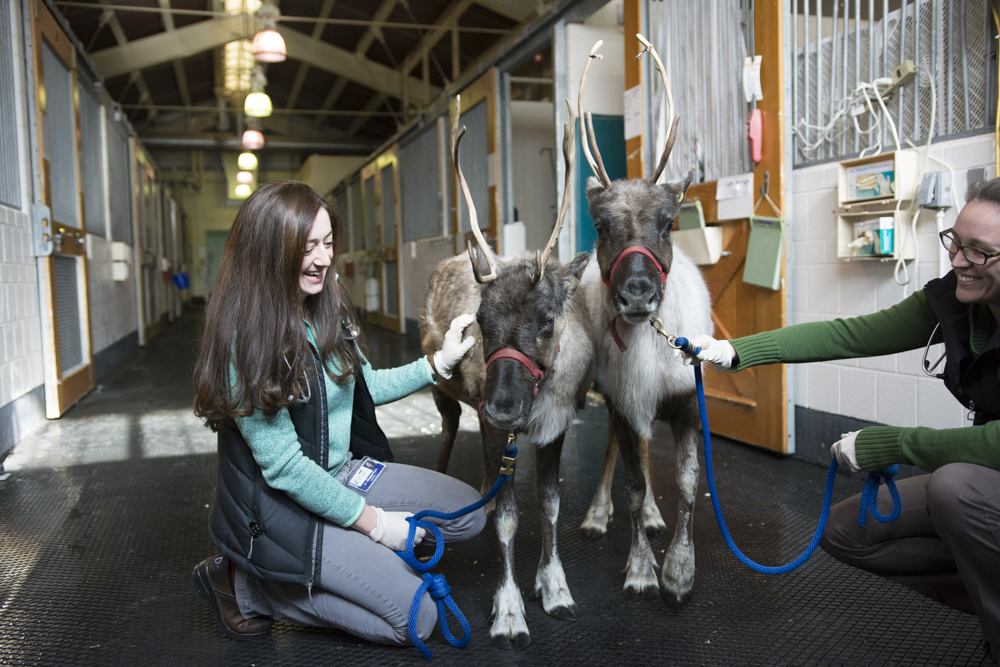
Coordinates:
<point>635,371</point>
<point>529,372</point>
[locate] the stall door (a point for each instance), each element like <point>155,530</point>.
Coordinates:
<point>69,371</point>
<point>146,200</point>
<point>380,182</point>
<point>479,161</point>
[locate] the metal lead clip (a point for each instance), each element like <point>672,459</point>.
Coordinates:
<point>507,469</point>
<point>657,324</point>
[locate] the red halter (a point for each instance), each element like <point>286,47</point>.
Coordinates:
<point>663,281</point>
<point>511,353</point>
<point>631,250</point>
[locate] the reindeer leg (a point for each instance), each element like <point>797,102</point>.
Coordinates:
<point>487,467</point>
<point>595,524</point>
<point>450,412</point>
<point>640,572</point>
<point>677,576</point>
<point>652,520</point>
<point>550,580</point>
<point>510,630</point>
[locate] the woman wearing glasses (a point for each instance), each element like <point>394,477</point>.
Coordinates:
<point>946,542</point>
<point>309,506</point>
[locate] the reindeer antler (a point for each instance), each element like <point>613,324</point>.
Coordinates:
<point>569,154</point>
<point>456,138</point>
<point>674,120</point>
<point>596,165</point>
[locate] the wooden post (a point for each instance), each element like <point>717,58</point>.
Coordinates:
<point>633,77</point>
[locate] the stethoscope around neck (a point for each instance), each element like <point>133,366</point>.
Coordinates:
<point>925,365</point>
<point>351,332</point>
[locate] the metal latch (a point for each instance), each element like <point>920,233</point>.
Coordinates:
<point>42,241</point>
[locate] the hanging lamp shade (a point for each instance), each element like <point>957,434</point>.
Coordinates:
<point>268,46</point>
<point>242,190</point>
<point>257,105</point>
<point>247,161</point>
<point>244,178</point>
<point>253,140</point>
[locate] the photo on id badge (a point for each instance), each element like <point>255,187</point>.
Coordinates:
<point>365,475</point>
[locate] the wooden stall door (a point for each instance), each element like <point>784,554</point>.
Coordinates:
<point>147,299</point>
<point>480,162</point>
<point>70,372</point>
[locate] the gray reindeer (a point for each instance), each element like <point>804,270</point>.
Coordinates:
<point>529,373</point>
<point>639,275</point>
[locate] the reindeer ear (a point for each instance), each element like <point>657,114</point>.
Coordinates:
<point>679,187</point>
<point>572,273</point>
<point>593,185</point>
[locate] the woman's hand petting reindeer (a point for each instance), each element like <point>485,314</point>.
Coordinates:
<point>719,353</point>
<point>454,347</point>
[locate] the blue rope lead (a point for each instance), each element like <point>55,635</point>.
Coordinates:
<point>868,497</point>
<point>435,583</point>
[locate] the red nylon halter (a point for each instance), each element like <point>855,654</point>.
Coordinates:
<point>663,281</point>
<point>511,353</point>
<point>631,250</point>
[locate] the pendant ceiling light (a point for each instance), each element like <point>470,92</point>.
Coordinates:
<point>257,104</point>
<point>268,45</point>
<point>253,140</point>
<point>244,178</point>
<point>247,161</point>
<point>242,190</point>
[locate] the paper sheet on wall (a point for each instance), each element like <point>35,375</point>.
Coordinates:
<point>633,112</point>
<point>735,196</point>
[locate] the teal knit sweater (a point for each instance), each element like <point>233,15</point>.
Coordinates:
<point>905,326</point>
<point>276,449</point>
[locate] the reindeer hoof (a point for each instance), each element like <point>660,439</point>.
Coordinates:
<point>519,642</point>
<point>654,530</point>
<point>641,592</point>
<point>593,532</point>
<point>674,601</point>
<point>566,613</point>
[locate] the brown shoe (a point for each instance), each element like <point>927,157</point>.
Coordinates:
<point>211,578</point>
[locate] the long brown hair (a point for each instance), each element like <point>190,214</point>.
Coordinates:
<point>253,322</point>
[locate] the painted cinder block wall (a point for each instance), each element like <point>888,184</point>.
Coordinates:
<point>888,390</point>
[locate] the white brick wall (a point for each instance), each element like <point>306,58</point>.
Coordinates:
<point>112,304</point>
<point>892,389</point>
<point>20,327</point>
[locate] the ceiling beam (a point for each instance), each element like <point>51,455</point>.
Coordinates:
<point>189,40</point>
<point>360,49</point>
<point>136,75</point>
<point>300,75</point>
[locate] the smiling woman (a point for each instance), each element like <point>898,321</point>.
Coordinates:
<point>946,543</point>
<point>283,380</point>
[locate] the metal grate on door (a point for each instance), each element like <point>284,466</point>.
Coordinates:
<point>388,207</point>
<point>10,178</point>
<point>371,237</point>
<point>68,314</point>
<point>91,158</point>
<point>60,138</point>
<point>475,160</point>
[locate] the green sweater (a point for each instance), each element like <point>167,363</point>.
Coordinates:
<point>276,449</point>
<point>905,326</point>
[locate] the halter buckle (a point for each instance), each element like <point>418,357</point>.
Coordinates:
<point>657,324</point>
<point>507,467</point>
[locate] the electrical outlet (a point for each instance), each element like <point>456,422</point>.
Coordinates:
<point>976,175</point>
<point>900,76</point>
<point>935,191</point>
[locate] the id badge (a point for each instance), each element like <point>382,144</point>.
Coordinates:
<point>365,475</point>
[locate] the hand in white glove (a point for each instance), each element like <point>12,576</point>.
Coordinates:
<point>454,347</point>
<point>843,451</point>
<point>719,353</point>
<point>393,528</point>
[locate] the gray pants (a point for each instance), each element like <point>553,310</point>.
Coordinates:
<point>945,544</point>
<point>364,588</point>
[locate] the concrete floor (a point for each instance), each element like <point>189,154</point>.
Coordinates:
<point>104,516</point>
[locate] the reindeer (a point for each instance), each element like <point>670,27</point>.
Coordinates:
<point>639,378</point>
<point>529,373</point>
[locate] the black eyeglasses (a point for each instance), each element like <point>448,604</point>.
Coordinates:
<point>973,254</point>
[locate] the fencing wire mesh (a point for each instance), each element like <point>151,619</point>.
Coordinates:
<point>948,40</point>
<point>702,45</point>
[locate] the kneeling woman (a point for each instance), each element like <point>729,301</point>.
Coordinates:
<point>306,536</point>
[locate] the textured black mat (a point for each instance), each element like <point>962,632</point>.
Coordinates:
<point>95,564</point>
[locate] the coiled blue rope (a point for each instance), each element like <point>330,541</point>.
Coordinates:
<point>868,497</point>
<point>435,583</point>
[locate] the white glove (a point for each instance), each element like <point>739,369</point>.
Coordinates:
<point>719,353</point>
<point>843,451</point>
<point>392,529</point>
<point>454,347</point>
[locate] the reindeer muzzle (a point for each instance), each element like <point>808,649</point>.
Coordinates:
<point>632,250</point>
